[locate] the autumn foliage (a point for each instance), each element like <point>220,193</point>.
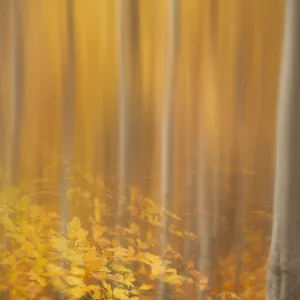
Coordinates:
<point>40,257</point>
<point>94,257</point>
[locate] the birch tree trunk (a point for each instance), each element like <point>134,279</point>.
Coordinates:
<point>68,103</point>
<point>129,101</point>
<point>167,135</point>
<point>284,260</point>
<point>17,86</point>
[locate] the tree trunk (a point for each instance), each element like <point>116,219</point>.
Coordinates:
<point>284,260</point>
<point>129,102</point>
<point>168,128</point>
<point>17,89</point>
<point>68,104</point>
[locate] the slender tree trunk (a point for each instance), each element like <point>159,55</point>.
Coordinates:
<point>68,104</point>
<point>129,102</point>
<point>167,127</point>
<point>123,103</point>
<point>240,153</point>
<point>284,260</point>
<point>206,110</point>
<point>191,196</point>
<point>17,90</point>
<point>68,113</point>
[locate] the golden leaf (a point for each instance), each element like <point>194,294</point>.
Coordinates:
<point>77,271</point>
<point>104,269</point>
<point>8,224</point>
<point>94,291</point>
<point>35,277</point>
<point>157,269</point>
<point>24,203</point>
<point>108,288</point>
<point>73,280</point>
<point>37,211</point>
<point>146,287</point>
<point>120,293</point>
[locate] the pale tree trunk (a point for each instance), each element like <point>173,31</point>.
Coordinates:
<point>17,68</point>
<point>123,112</point>
<point>215,191</point>
<point>240,153</point>
<point>134,63</point>
<point>68,113</point>
<point>207,150</point>
<point>167,127</point>
<point>129,102</point>
<point>284,260</point>
<point>68,104</point>
<point>167,122</point>
<point>191,118</point>
<point>4,57</point>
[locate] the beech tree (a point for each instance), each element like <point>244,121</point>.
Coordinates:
<point>283,280</point>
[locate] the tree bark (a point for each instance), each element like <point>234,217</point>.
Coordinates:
<point>167,142</point>
<point>68,110</point>
<point>17,89</point>
<point>129,102</point>
<point>283,279</point>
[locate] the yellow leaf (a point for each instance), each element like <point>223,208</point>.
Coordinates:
<point>8,224</point>
<point>75,231</point>
<point>134,292</point>
<point>73,281</point>
<point>134,229</point>
<point>96,295</point>
<point>74,225</point>
<point>37,211</point>
<point>142,270</point>
<point>90,256</point>
<point>53,215</point>
<point>59,284</point>
<point>170,272</point>
<point>94,291</point>
<point>10,261</point>
<point>146,287</point>
<point>116,277</point>
<point>75,257</point>
<point>175,279</point>
<point>24,202</point>
<point>157,269</point>
<point>120,268</point>
<point>121,294</point>
<point>142,245</point>
<point>108,288</point>
<point>128,280</point>
<point>32,290</point>
<point>104,269</point>
<point>174,216</point>
<point>200,280</point>
<point>55,271</point>
<point>60,244</point>
<point>77,271</point>
<point>76,291</point>
<point>35,277</point>
<point>190,235</point>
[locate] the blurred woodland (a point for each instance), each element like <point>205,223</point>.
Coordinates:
<point>136,127</point>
